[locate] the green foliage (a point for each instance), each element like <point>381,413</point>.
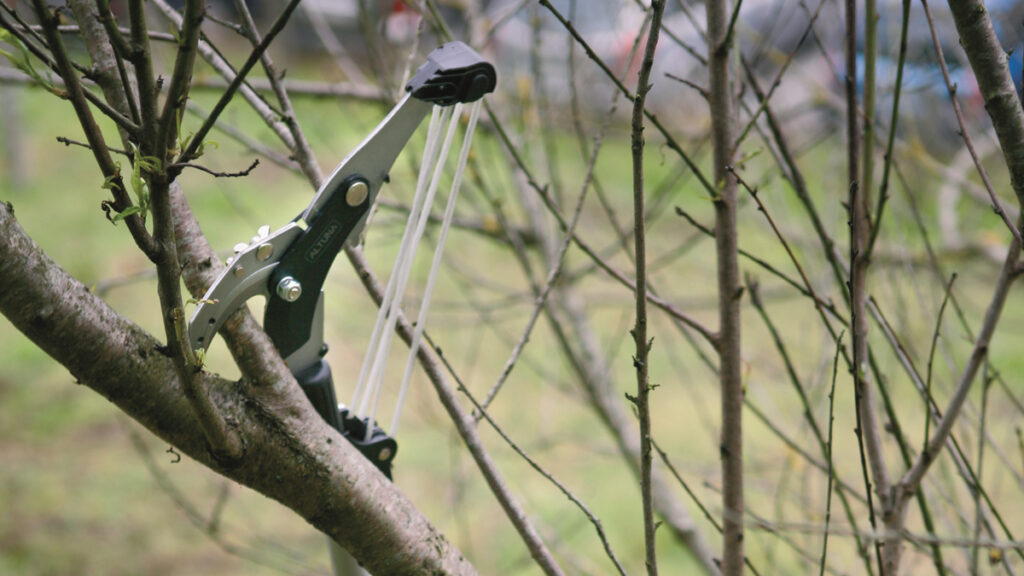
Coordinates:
<point>141,166</point>
<point>182,144</point>
<point>22,60</point>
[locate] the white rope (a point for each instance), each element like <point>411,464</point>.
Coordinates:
<point>366,397</point>
<point>403,267</point>
<point>446,224</point>
<point>429,155</point>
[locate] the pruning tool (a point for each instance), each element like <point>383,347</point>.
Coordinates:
<point>288,266</point>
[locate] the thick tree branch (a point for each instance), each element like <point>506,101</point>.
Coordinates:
<point>295,458</point>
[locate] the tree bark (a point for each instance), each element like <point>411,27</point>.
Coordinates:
<point>991,69</point>
<point>723,130</point>
<point>290,454</point>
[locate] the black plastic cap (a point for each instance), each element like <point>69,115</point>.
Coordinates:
<point>453,73</point>
<point>380,449</point>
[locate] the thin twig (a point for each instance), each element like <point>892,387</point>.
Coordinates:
<point>168,124</point>
<point>824,445</point>
<point>69,142</point>
<point>689,84</point>
<point>978,509</point>
<point>215,173</point>
<point>669,139</point>
<point>553,275</point>
<point>111,171</point>
<point>190,152</point>
<point>618,275</point>
<point>765,98</point>
<point>301,151</point>
<point>828,490</point>
<point>693,496</point>
<point>807,287</point>
<point>1007,275</point>
<point>481,410</point>
<point>119,90</point>
<point>968,142</point>
<point>139,56</point>
<point>643,345</point>
<point>795,177</point>
<point>931,358</point>
<point>217,61</point>
<point>883,190</point>
<point>727,39</point>
<point>828,306</point>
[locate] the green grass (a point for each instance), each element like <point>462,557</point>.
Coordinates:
<point>77,498</point>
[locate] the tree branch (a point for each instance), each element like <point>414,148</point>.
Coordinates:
<point>1007,275</point>
<point>643,345</point>
<point>190,152</point>
<point>111,170</point>
<point>169,121</point>
<point>302,463</point>
<point>995,83</point>
<point>730,360</point>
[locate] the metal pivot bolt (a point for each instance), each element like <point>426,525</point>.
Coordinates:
<point>357,193</point>
<point>289,289</point>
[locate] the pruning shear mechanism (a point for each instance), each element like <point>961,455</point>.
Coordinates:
<point>288,266</point>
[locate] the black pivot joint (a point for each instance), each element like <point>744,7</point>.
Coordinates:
<point>453,73</point>
<point>379,449</point>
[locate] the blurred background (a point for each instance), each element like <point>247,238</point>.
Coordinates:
<point>85,491</point>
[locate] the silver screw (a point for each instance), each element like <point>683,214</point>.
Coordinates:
<point>289,289</point>
<point>384,455</point>
<point>356,193</point>
<point>264,251</point>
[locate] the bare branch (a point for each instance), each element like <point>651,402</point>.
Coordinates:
<point>216,173</point>
<point>828,497</point>
<point>968,141</point>
<point>316,472</point>
<point>643,345</point>
<point>463,422</point>
<point>1007,275</point>
<point>670,140</point>
<point>730,290</point>
<point>190,152</point>
<point>111,170</point>
<point>990,65</point>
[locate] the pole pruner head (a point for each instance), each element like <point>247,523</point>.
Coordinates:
<point>453,73</point>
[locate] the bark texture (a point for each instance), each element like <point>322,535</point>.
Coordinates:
<point>723,130</point>
<point>991,69</point>
<point>290,454</point>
